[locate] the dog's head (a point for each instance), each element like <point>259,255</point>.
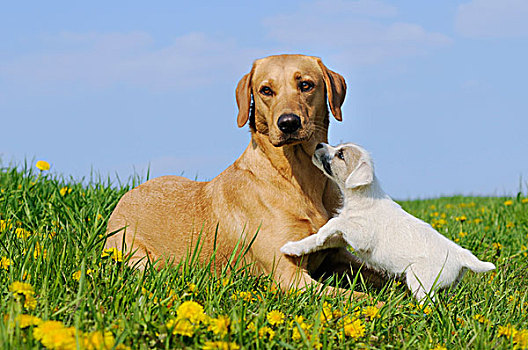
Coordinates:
<point>285,98</point>
<point>349,165</point>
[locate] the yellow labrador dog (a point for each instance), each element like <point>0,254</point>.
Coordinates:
<point>273,188</point>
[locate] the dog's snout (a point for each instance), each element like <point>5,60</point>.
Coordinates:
<point>319,146</point>
<point>289,123</point>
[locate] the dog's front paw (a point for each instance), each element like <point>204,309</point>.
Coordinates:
<point>292,248</point>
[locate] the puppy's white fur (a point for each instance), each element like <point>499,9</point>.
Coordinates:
<point>382,234</point>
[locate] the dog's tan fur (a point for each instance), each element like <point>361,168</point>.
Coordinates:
<point>273,187</point>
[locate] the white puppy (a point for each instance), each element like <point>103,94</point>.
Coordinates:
<point>382,234</point>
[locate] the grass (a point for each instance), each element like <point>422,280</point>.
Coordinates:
<point>52,235</point>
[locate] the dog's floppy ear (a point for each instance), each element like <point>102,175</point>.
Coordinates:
<point>335,89</point>
<point>362,175</point>
<point>243,98</point>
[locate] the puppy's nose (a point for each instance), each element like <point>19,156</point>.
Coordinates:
<point>289,123</point>
<point>319,145</point>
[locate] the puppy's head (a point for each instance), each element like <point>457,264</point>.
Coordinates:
<point>349,165</point>
<point>285,98</point>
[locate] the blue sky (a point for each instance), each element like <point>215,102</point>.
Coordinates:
<point>436,90</point>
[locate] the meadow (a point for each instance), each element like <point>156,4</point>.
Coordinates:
<point>61,290</point>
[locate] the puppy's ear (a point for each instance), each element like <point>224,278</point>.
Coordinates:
<point>335,89</point>
<point>361,176</point>
<point>243,98</point>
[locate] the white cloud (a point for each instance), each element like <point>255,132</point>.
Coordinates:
<point>492,19</point>
<point>96,60</point>
<point>354,29</point>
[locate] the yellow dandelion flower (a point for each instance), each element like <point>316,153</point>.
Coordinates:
<point>266,331</point>
<point>480,319</point>
<point>220,325</point>
<point>65,190</point>
<point>30,302</point>
<point>371,312</point>
<point>524,200</point>
<point>520,339</point>
<point>5,225</point>
<point>461,218</point>
<point>477,220</point>
<point>22,233</point>
<point>508,202</point>
<point>5,263</point>
<point>506,331</point>
<point>524,249</point>
<point>220,345</point>
<point>326,312</point>
<point>25,321</point>
<point>114,253</point>
<point>439,347</point>
<point>462,234</point>
<point>42,165</point>
<point>21,288</point>
<point>98,340</point>
<point>275,317</point>
<point>181,327</point>
<point>510,225</point>
<point>38,251</point>
<point>251,327</point>
<point>354,329</point>
<point>496,246</point>
<point>54,335</point>
<point>192,311</point>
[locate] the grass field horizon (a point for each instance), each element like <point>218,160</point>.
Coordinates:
<point>61,289</point>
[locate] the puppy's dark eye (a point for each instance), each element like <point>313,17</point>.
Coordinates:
<point>266,91</point>
<point>340,154</point>
<point>306,86</point>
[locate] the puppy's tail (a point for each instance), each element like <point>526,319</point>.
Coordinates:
<point>473,263</point>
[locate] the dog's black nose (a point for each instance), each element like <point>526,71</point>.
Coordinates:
<point>319,145</point>
<point>289,123</point>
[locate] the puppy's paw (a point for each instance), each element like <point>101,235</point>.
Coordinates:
<point>293,248</point>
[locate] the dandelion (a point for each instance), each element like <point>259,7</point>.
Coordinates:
<point>371,312</point>
<point>245,296</point>
<point>181,327</point>
<point>354,329</point>
<point>22,233</point>
<point>5,263</point>
<point>266,331</point>
<point>439,347</point>
<point>461,218</point>
<point>508,202</point>
<point>477,220</point>
<point>25,321</point>
<point>520,339</point>
<point>220,345</point>
<point>326,312</point>
<point>77,275</point>
<point>21,288</point>
<point>506,331</point>
<point>98,340</point>
<point>524,200</point>
<point>5,225</point>
<point>275,317</point>
<point>496,246</point>
<point>114,253</point>
<point>480,319</point>
<point>54,335</point>
<point>42,165</point>
<point>220,325</point>
<point>462,234</point>
<point>510,225</point>
<point>251,327</point>
<point>65,190</point>
<point>192,311</point>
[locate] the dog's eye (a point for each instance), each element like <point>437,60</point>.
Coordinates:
<point>266,91</point>
<point>306,86</point>
<point>340,154</point>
